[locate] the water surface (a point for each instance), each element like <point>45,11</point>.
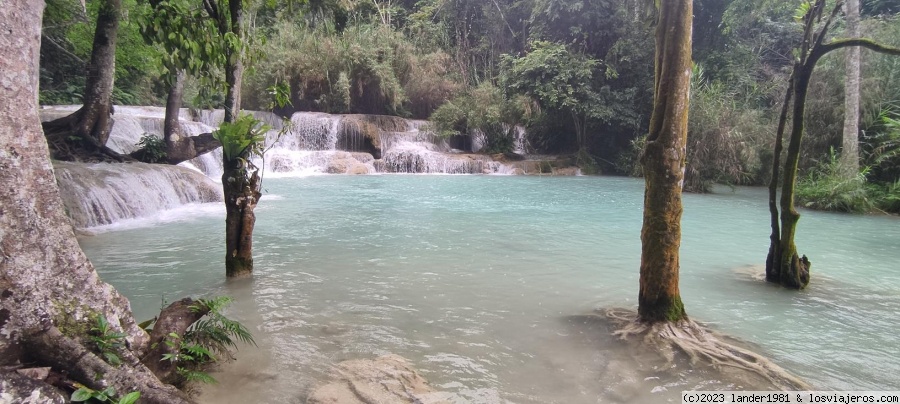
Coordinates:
<point>475,279</point>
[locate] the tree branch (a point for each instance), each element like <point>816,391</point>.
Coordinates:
<point>63,49</point>
<point>861,42</point>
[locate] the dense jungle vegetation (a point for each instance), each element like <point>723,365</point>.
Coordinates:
<point>577,74</point>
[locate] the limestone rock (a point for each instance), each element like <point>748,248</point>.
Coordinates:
<point>18,388</point>
<point>386,379</point>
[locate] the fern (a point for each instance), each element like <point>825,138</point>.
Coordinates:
<point>241,138</point>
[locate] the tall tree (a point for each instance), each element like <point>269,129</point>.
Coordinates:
<point>850,146</point>
<point>49,291</point>
<point>241,137</point>
<point>663,164</point>
<point>83,134</point>
<point>784,265</point>
<point>193,45</point>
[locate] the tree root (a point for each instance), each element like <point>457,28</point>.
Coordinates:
<point>175,318</point>
<point>49,346</point>
<point>701,346</point>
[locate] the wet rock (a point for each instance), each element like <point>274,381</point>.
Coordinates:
<point>362,157</point>
<point>565,171</point>
<point>386,379</point>
<point>346,166</point>
<point>18,388</point>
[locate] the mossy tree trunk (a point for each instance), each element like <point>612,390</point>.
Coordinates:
<point>242,193</point>
<point>83,134</point>
<point>50,294</point>
<point>784,265</point>
<point>663,164</point>
<point>240,179</point>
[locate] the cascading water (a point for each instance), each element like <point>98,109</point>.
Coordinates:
<point>100,194</point>
<point>311,143</point>
<point>354,144</point>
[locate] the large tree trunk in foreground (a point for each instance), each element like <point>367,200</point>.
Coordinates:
<point>49,291</point>
<point>850,144</point>
<point>663,164</point>
<point>83,135</point>
<point>784,265</point>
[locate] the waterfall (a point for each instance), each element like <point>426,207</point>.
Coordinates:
<point>314,143</point>
<point>98,194</point>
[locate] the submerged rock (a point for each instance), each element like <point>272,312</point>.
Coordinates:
<point>386,379</point>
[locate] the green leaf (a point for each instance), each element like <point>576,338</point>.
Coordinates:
<point>130,398</point>
<point>82,394</point>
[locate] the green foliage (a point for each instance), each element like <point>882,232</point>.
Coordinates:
<point>280,93</point>
<point>726,136</point>
<point>106,396</point>
<point>214,334</point>
<point>483,111</point>
<point>242,138</point>
<point>366,68</point>
<point>586,162</point>
<point>887,196</point>
<point>68,35</point>
<point>553,76</point>
<point>215,331</point>
<point>107,341</point>
<point>153,148</point>
<point>829,187</point>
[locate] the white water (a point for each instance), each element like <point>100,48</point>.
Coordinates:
<point>103,194</point>
<point>479,280</point>
<point>317,143</point>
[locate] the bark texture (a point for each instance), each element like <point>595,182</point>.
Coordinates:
<point>240,180</point>
<point>234,67</point>
<point>850,144</point>
<point>175,318</point>
<point>242,193</point>
<point>49,291</point>
<point>663,164</point>
<point>83,135</point>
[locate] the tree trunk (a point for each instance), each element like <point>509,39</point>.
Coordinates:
<point>663,163</point>
<point>234,66</point>
<point>83,135</point>
<point>794,270</point>
<point>772,271</point>
<point>50,294</point>
<point>240,185</point>
<point>175,318</point>
<point>850,146</point>
<point>241,196</point>
<point>784,264</point>
<point>171,126</point>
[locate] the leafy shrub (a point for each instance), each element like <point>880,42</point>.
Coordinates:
<point>365,68</point>
<point>152,149</point>
<point>726,137</point>
<point>483,111</point>
<point>211,337</point>
<point>244,135</point>
<point>829,187</point>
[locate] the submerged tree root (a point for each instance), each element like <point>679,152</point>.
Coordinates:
<point>701,346</point>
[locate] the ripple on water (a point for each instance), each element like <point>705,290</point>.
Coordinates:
<point>473,279</point>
